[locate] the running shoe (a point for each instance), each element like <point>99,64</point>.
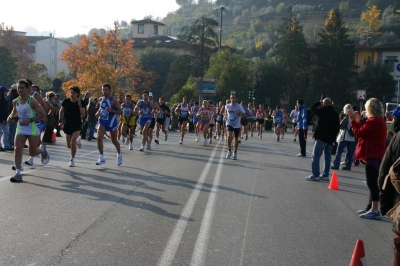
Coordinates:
<point>247,137</point>
<point>29,162</point>
<point>217,137</point>
<point>205,142</point>
<point>283,136</point>
<point>141,148</point>
<point>210,141</point>
<point>241,136</point>
<point>16,179</point>
<point>79,142</point>
<point>258,133</point>
<point>45,154</point>
<point>277,138</point>
<point>119,159</point>
<point>148,147</point>
<point>130,146</point>
<point>260,136</point>
<point>156,141</point>
<point>181,141</point>
<point>165,136</point>
<point>71,163</point>
<point>101,161</point>
<point>148,142</point>
<point>21,168</point>
<point>234,157</point>
<point>197,139</point>
<point>371,214</point>
<point>228,154</point>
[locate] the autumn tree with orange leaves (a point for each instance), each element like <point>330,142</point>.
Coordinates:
<point>105,59</point>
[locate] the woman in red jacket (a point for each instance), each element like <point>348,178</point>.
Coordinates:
<point>370,149</point>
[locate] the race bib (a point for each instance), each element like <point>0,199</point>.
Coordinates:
<point>183,114</point>
<point>232,116</point>
<point>127,112</point>
<point>104,114</point>
<point>161,115</point>
<point>219,118</point>
<point>145,112</point>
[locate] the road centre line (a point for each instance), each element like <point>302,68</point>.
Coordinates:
<point>174,240</point>
<point>200,249</point>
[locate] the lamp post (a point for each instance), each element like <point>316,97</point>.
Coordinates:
<point>221,9</point>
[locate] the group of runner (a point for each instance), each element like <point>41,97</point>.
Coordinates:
<point>119,116</point>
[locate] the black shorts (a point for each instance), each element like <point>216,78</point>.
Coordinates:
<point>236,131</point>
<point>260,121</point>
<point>294,125</point>
<point>244,122</point>
<point>71,129</point>
<point>161,121</point>
<point>182,119</point>
<point>153,123</point>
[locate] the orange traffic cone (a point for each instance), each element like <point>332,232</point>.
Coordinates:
<point>334,184</point>
<point>358,258</point>
<point>53,137</point>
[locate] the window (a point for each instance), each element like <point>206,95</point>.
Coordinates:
<point>155,29</point>
<point>141,28</point>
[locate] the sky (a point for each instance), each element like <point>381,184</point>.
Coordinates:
<point>70,17</point>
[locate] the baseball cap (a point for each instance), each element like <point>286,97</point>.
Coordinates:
<point>2,89</point>
<point>14,86</point>
<point>150,94</point>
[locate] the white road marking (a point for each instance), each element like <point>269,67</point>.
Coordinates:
<point>200,249</point>
<point>174,240</point>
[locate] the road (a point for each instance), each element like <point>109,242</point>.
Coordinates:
<point>185,205</point>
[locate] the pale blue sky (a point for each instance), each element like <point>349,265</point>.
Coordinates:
<point>71,17</point>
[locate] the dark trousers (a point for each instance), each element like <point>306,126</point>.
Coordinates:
<point>371,174</point>
<point>48,134</point>
<point>396,255</point>
<point>302,141</point>
<point>84,129</point>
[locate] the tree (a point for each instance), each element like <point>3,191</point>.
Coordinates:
<point>377,81</point>
<point>7,67</point>
<point>371,19</point>
<point>37,72</point>
<point>189,90</point>
<point>158,61</point>
<point>292,53</point>
<point>184,67</point>
<point>334,65</point>
<point>19,48</point>
<point>233,73</point>
<point>202,38</point>
<point>107,59</point>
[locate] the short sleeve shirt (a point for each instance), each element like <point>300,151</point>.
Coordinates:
<point>232,119</point>
<point>72,113</point>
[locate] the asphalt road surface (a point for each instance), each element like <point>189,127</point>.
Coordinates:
<point>185,205</point>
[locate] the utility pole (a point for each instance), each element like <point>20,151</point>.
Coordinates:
<point>221,9</point>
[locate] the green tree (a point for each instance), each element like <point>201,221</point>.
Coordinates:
<point>292,53</point>
<point>189,90</point>
<point>158,61</point>
<point>233,73</point>
<point>202,38</point>
<point>377,81</point>
<point>334,66</point>
<point>38,73</point>
<point>184,67</point>
<point>7,67</point>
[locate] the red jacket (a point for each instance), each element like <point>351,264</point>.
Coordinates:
<point>371,138</point>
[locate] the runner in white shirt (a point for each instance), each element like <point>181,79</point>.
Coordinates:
<point>294,115</point>
<point>233,113</point>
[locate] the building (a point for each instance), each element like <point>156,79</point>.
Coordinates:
<point>47,50</point>
<point>388,53</point>
<point>149,33</point>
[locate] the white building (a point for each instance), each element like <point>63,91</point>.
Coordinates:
<point>47,50</point>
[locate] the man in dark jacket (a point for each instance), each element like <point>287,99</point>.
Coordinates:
<point>3,119</point>
<point>12,127</point>
<point>326,130</point>
<point>389,196</point>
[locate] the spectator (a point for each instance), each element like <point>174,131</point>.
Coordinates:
<point>4,131</point>
<point>370,149</point>
<point>48,133</point>
<point>302,127</point>
<point>12,126</point>
<point>84,119</point>
<point>57,101</point>
<point>396,119</point>
<point>345,139</point>
<point>91,119</point>
<point>325,134</point>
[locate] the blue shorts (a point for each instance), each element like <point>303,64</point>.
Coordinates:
<point>109,128</point>
<point>144,120</point>
<point>196,120</point>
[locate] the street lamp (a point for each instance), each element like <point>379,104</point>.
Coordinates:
<point>221,9</point>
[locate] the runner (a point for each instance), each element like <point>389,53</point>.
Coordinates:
<point>233,113</point>
<point>161,117</point>
<point>284,123</point>
<point>128,120</point>
<point>121,100</point>
<point>153,122</point>
<point>278,121</point>
<point>294,115</point>
<point>244,121</point>
<point>196,120</point>
<point>253,119</point>
<point>260,114</point>
<point>70,120</point>
<point>182,111</point>
<point>204,114</point>
<point>213,114</point>
<point>224,122</point>
<point>219,120</point>
<point>145,109</point>
<point>107,114</point>
<point>28,111</point>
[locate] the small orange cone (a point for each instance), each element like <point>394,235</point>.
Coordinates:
<point>334,184</point>
<point>358,258</point>
<point>53,137</point>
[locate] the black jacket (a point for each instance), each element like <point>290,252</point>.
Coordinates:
<point>389,197</point>
<point>328,123</point>
<point>3,109</point>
